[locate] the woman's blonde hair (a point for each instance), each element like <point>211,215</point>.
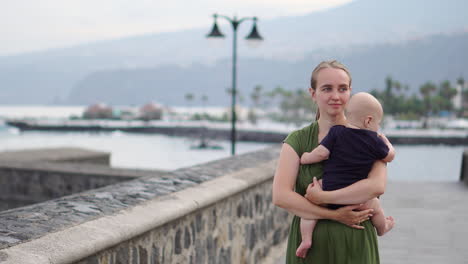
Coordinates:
<point>322,65</point>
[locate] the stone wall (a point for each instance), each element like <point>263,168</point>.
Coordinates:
<point>218,212</point>
<point>69,155</point>
<point>33,176</point>
<point>27,183</point>
<point>239,229</point>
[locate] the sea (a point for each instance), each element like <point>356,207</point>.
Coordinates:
<point>153,151</point>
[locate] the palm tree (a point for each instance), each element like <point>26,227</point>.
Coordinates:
<point>255,96</point>
<point>204,99</point>
<point>189,97</point>
<point>426,91</point>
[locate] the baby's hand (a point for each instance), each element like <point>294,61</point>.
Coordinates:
<point>391,149</point>
<point>319,183</point>
<point>383,137</point>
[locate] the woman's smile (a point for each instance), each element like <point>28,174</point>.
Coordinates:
<point>335,105</point>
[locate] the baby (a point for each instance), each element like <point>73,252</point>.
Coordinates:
<point>351,151</point>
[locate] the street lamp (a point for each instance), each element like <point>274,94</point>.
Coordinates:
<point>253,36</point>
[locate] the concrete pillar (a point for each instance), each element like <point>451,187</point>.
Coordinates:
<point>464,167</point>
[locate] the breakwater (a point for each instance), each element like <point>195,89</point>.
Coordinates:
<point>401,137</point>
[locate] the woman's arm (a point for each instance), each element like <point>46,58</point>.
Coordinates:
<point>285,197</point>
<point>359,192</point>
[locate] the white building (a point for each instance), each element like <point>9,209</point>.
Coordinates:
<point>457,100</point>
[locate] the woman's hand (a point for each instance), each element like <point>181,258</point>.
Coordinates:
<point>351,218</point>
<point>314,192</point>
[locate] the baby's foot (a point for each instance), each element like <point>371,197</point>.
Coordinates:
<point>389,223</point>
<point>303,248</point>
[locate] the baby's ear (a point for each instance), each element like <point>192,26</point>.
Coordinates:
<point>368,121</point>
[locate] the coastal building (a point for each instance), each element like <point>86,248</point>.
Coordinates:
<point>126,113</point>
<point>242,113</point>
<point>98,111</point>
<point>151,111</point>
<point>460,100</point>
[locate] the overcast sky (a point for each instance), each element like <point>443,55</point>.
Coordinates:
<point>28,25</point>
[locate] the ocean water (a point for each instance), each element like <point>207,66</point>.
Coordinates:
<point>127,150</point>
<point>151,151</point>
<point>426,163</point>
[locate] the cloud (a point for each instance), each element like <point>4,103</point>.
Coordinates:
<point>35,25</point>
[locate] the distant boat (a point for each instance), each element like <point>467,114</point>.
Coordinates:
<point>204,143</point>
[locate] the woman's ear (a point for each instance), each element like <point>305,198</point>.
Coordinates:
<point>312,93</point>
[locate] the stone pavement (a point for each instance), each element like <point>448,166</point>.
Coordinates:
<point>431,223</point>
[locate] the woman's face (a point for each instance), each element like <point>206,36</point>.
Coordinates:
<point>332,91</point>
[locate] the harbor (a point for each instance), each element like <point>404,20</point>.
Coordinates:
<point>215,130</point>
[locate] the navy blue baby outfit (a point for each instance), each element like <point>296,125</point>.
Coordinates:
<point>352,154</point>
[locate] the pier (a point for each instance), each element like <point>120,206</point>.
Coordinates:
<point>431,225</point>
<point>222,131</point>
<point>431,222</point>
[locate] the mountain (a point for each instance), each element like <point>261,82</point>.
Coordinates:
<point>43,77</point>
<point>435,58</point>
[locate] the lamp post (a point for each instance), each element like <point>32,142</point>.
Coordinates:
<point>253,36</point>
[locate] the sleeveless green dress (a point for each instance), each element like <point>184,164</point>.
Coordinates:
<point>332,242</point>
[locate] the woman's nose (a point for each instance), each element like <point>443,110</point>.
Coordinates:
<point>335,95</point>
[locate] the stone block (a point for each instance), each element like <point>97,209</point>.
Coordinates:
<point>187,241</point>
<point>178,242</point>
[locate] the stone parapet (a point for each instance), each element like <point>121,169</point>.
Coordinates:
<point>69,155</point>
<point>219,212</point>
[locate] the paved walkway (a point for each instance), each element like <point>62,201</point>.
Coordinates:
<point>431,223</point>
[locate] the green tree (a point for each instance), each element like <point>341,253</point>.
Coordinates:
<point>255,97</point>
<point>295,106</point>
<point>447,93</point>
<point>204,99</point>
<point>427,90</point>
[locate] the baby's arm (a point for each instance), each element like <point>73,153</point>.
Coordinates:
<point>317,155</point>
<point>391,150</point>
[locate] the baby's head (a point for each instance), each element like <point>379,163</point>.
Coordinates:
<point>364,111</point>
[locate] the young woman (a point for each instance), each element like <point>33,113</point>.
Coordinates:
<point>343,235</point>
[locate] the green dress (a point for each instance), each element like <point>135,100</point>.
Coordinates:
<point>332,242</point>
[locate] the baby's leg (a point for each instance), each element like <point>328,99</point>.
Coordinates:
<point>381,223</point>
<point>307,228</point>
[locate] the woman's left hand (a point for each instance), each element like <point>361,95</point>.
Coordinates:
<point>314,192</point>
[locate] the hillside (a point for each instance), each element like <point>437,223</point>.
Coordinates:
<point>434,58</point>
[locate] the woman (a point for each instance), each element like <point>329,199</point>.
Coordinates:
<point>350,237</point>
